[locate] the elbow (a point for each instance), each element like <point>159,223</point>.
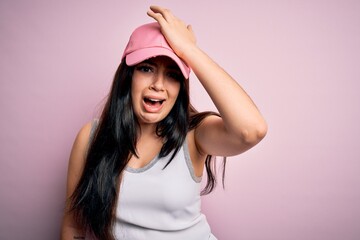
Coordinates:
<point>262,130</point>
<point>254,135</point>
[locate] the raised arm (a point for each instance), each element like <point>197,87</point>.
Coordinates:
<point>241,125</point>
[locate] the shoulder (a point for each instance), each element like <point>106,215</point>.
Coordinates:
<point>83,136</point>
<point>78,152</point>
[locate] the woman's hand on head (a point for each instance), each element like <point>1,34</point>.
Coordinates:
<point>241,125</point>
<point>179,35</point>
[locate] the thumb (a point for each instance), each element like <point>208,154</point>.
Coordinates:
<point>189,27</point>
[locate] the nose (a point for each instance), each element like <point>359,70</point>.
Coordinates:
<point>158,82</point>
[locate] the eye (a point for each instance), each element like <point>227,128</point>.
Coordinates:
<point>175,75</point>
<point>144,68</point>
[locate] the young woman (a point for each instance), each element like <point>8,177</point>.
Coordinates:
<point>135,173</point>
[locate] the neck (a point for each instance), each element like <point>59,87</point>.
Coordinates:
<point>147,130</point>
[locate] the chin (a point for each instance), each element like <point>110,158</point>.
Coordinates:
<point>151,119</point>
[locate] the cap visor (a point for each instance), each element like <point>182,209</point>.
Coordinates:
<point>142,54</point>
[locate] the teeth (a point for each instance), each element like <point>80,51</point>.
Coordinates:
<point>155,100</point>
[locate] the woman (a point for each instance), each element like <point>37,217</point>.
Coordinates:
<point>135,173</point>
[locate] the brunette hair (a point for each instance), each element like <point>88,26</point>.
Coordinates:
<point>93,201</point>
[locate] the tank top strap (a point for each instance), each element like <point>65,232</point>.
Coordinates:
<point>189,162</point>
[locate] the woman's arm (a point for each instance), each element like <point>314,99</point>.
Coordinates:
<point>241,125</point>
<point>70,229</point>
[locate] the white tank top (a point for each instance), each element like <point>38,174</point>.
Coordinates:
<point>161,204</point>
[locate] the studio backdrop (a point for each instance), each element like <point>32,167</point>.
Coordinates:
<point>298,60</point>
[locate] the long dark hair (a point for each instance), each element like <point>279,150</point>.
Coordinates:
<point>93,202</point>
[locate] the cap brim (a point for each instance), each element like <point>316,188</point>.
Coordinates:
<point>140,55</point>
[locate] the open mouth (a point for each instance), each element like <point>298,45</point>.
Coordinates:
<point>154,102</point>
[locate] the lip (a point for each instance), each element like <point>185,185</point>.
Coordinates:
<point>153,108</point>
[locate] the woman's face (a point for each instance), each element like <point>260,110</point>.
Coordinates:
<point>155,87</point>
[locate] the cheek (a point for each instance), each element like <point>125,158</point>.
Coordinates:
<point>138,81</point>
<point>133,85</point>
<point>136,86</point>
<point>135,96</point>
<point>174,90</point>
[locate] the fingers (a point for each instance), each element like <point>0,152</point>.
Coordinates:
<point>156,16</point>
<point>189,27</point>
<point>177,33</point>
<point>163,12</point>
<point>163,16</point>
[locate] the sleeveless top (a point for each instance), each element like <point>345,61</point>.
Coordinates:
<point>157,203</point>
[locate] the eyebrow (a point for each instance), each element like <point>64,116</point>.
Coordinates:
<point>172,66</point>
<point>148,61</point>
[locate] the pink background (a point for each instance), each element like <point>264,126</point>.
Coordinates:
<point>299,60</point>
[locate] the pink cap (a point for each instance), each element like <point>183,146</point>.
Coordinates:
<point>146,42</point>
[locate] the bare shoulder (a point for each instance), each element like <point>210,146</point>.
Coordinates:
<point>83,136</point>
<point>78,155</point>
<point>82,140</point>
